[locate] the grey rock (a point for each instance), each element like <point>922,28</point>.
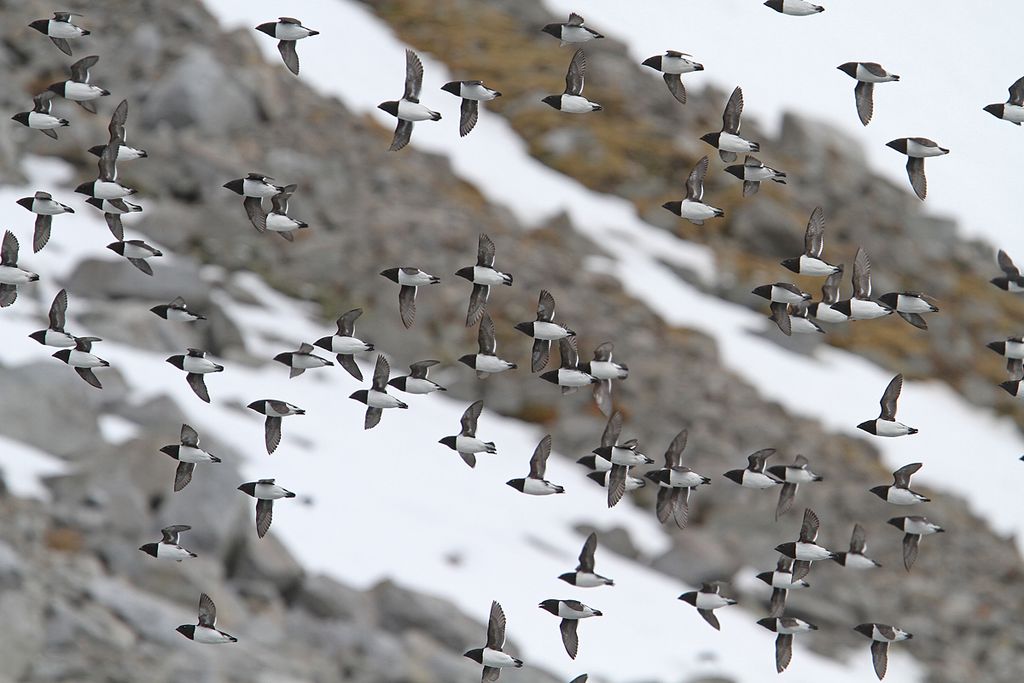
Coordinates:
<point>400,609</point>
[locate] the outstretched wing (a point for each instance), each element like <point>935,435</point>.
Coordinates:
<point>539,461</point>
<point>733,111</point>
<point>695,181</point>
<point>207,611</point>
<point>574,76</point>
<point>814,238</point>
<point>496,627</point>
<point>889,398</point>
<point>413,76</point>
<point>470,417</point>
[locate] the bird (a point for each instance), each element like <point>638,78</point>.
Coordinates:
<point>899,493</point>
<point>416,381</point>
<point>881,635</point>
<point>675,482</point>
<point>10,274</point>
<point>535,484</point>
<point>377,397</point>
<point>866,75</point>
<point>78,89</point>
<point>571,31</point>
<point>692,207</point>
<point>707,600</point>
<point>810,262</point>
<point>472,94</point>
<point>466,443</point>
<point>910,306</point>
<point>861,306</point>
<point>254,187</point>
<point>83,360</point>
<point>885,424</point>
<point>177,310</point>
<point>410,279</point>
<point>603,478</point>
<point>1013,109</point>
<point>1010,280</point>
<point>40,117</point>
<point>794,318</point>
<point>277,219</point>
<point>45,207</point>
<point>584,575</point>
<point>796,8</point>
<point>609,438</point>
<point>805,550</point>
<point>167,548</point>
<point>287,31</point>
<point>568,376</point>
<point>822,311</point>
<point>345,344</point>
<point>408,110</point>
<point>483,276</point>
<point>206,630</point>
<point>855,557</point>
<point>572,100</point>
<point>1013,387</point>
<point>274,410</point>
<point>782,295</point>
<point>117,137</point>
<point>570,612</point>
<point>544,331</point>
<point>753,172</point>
<point>60,29</point>
<point>1012,349</point>
<point>106,186</point>
<point>917,149</point>
<point>671,65</point>
<point>265,491</point>
<point>195,364</point>
<point>136,251</point>
<point>728,141</point>
<point>302,359</point>
<point>753,476</point>
<point>913,528</point>
<point>621,456</point>
<point>112,210</point>
<point>188,454</point>
<point>491,656</point>
<point>54,334</point>
<point>781,580</point>
<point>786,628</point>
<point>485,361</point>
<point>604,369</point>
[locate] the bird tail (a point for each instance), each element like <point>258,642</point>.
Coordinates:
<point>491,448</point>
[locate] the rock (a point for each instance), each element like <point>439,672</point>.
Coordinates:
<point>400,609</point>
<point>12,568</point>
<point>265,559</point>
<point>115,279</point>
<point>325,598</point>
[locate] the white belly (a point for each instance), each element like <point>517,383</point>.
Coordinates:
<point>588,580</point>
<point>10,275</point>
<point>415,385</point>
<point>281,223</point>
<point>548,331</point>
<point>469,444</point>
<point>800,325</point>
<point>258,188</point>
<point>413,111</point>
<point>81,359</point>
<point>684,479</point>
<point>814,266</point>
<point>798,8</point>
<point>307,361</point>
<point>890,428</point>
<point>165,551</point>
<point>81,92</point>
<point>413,279</point>
<point>178,315</point>
<point>269,491</point>
<point>497,659</point>
<point>676,65</point>
<point>60,340</point>
<point>347,345</point>
<point>103,189</point>
<point>379,399</point>
<point>898,496</point>
<point>799,627</point>
<point>916,150</point>
<point>566,612</point>
<point>758,480</point>
<point>193,455</point>
<point>922,529</point>
<point>865,309</point>
<point>734,143</point>
<point>41,121</point>
<point>854,561</point>
<point>1013,112</point>
<point>711,601</point>
<point>867,77</point>
<point>575,104</point>
<point>537,487</point>
<point>826,314</point>
<point>62,29</point>
<point>626,456</point>
<point>811,552</point>
<point>696,211</point>
<point>758,173</point>
<point>209,636</point>
<point>576,34</point>
<point>47,207</point>
<point>607,370</point>
<point>491,364</point>
<point>912,304</point>
<point>192,364</point>
<point>487,276</point>
<point>785,580</point>
<point>290,32</point>
<point>1014,350</point>
<point>288,410</point>
<point>477,92</point>
<point>784,296</point>
<point>568,377</point>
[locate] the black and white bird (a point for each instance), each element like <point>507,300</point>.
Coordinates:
<point>782,295</point>
<point>854,558</point>
<point>408,110</point>
<point>1013,109</point>
<point>728,141</point>
<point>584,575</point>
<point>796,8</point>
<point>570,612</point>
<point>345,344</point>
<point>603,478</point>
<point>136,251</point>
<point>1011,280</point>
<point>278,220</point>
<point>472,94</point>
<point>822,311</point>
<point>913,528</point>
<point>881,635</point>
<point>255,187</point>
<point>45,207</point>
<point>60,29</point>
<point>861,306</point>
<point>55,334</point>
<point>675,483</point>
<point>810,262</point>
<point>609,438</point>
<point>167,548</point>
<point>178,311</point>
<point>78,88</point>
<point>786,628</point>
<point>1014,387</point>
<point>491,655</point>
<point>112,210</point>
<point>621,457</point>
<point>535,484</point>
<point>781,581</point>
<point>917,149</point>
<point>692,206</point>
<point>572,31</point>
<point>672,64</point>
<point>287,31</point>
<point>416,381</point>
<point>805,550</point>
<point>899,493</point>
<point>485,361</point>
<point>10,274</point>
<point>274,410</point>
<point>195,364</point>
<point>483,276</point>
<point>1012,349</point>
<point>188,454</point>
<point>410,279</point>
<point>753,476</point>
<point>569,376</point>
<point>206,630</point>
<point>753,172</point>
<point>707,600</point>
<point>466,443</point>
<point>544,331</point>
<point>265,491</point>
<point>106,186</point>
<point>83,360</point>
<point>118,137</point>
<point>301,359</point>
<point>377,397</point>
<point>910,306</point>
<point>866,75</point>
<point>40,117</point>
<point>604,369</point>
<point>572,100</point>
<point>885,424</point>
<point>795,319</point>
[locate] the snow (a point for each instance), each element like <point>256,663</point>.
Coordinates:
<point>23,469</point>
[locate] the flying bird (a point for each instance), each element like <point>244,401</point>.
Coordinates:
<point>861,306</point>
<point>83,360</point>
<point>570,612</point>
<point>377,397</point>
<point>881,635</point>
<point>416,381</point>
<point>855,558</point>
<point>45,207</point>
<point>913,528</point>
<point>112,210</point>
<point>491,655</point>
<point>167,548</point>
<point>885,424</point>
<point>485,361</point>
<point>822,311</point>
<point>675,482</point>
<point>274,410</point>
<point>571,31</point>
<point>40,117</point>
<point>569,376</point>
<point>265,491</point>
<point>584,575</point>
<point>753,476</point>
<point>796,8</point>
<point>345,344</point>
<point>410,279</point>
<point>117,137</point>
<point>753,172</point>
<point>78,88</point>
<point>786,628</point>
<point>287,31</point>
<point>195,364</point>
<point>910,306</point>
<point>10,274</point>
<point>604,369</point>
<point>692,206</point>
<point>544,331</point>
<point>60,29</point>
<point>301,359</point>
<point>707,600</point>
<point>188,454</point>
<point>277,219</point>
<point>1013,109</point>
<point>620,456</point>
<point>255,187</point>
<point>472,94</point>
<point>781,581</point>
<point>866,75</point>
<point>535,484</point>
<point>1010,280</point>
<point>206,630</point>
<point>466,443</point>
<point>810,262</point>
<point>54,334</point>
<point>1012,349</point>
<point>728,141</point>
<point>899,493</point>
<point>805,550</point>
<point>672,64</point>
<point>177,310</point>
<point>917,149</point>
<point>483,276</point>
<point>791,477</point>
<point>572,100</point>
<point>408,110</point>
<point>106,186</point>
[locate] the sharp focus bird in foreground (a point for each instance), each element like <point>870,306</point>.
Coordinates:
<point>692,206</point>
<point>416,381</point>
<point>408,110</point>
<point>112,211</point>
<point>604,369</point>
<point>206,630</point>
<point>728,141</point>
<point>483,276</point>
<point>810,262</point>
<point>917,149</point>
<point>255,188</point>
<point>178,311</point>
<point>885,424</point>
<point>753,172</point>
<point>274,410</point>
<point>535,484</point>
<point>491,655</point>
<point>795,8</point>
<point>866,75</point>
<point>910,306</point>
<point>791,477</point>
<point>572,31</point>
<point>899,493</point>
<point>167,548</point>
<point>672,64</point>
<point>707,600</point>
<point>344,344</point>
<point>675,482</point>
<point>466,443</point>
<point>196,365</point>
<point>1010,280</point>
<point>377,397</point>
<point>584,576</point>
<point>913,528</point>
<point>55,334</point>
<point>861,306</point>
<point>544,331</point>
<point>881,635</point>
<point>287,31</point>
<point>570,612</point>
<point>569,376</point>
<point>781,580</point>
<point>485,361</point>
<point>45,207</point>
<point>60,29</point>
<point>118,137</point>
<point>83,360</point>
<point>265,491</point>
<point>472,94</point>
<point>188,454</point>
<point>10,274</point>
<point>278,220</point>
<point>40,117</point>
<point>805,550</point>
<point>753,476</point>
<point>1013,109</point>
<point>301,359</point>
<point>78,88</point>
<point>410,279</point>
<point>855,558</point>
<point>572,100</point>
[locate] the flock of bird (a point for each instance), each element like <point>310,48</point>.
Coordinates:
<point>613,459</point>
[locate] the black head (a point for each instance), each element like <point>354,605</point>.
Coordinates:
<point>95,201</point>
<point>270,28</point>
<point>843,307</point>
<point>787,549</point>
<point>63,355</point>
<point>187,630</point>
<point>568,577</point>
<point>285,358</point>
<point>549,606</point>
<point>690,597</point>
<point>40,25</point>
<point>734,475</point>
<point>97,150</point>
<point>768,622</point>
<point>360,395</point>
<point>792,264</point>
<point>526,328</point>
<point>868,426</point>
<point>466,273</point>
<point>896,522</point>
<point>659,476</point>
<point>1011,386</point>
<point>26,202</point>
<point>454,87</point>
<point>57,88</point>
<point>149,549</point>
<point>391,274</point>
<point>517,484</point>
<point>390,107</point>
<point>85,188</point>
<point>21,118</point>
<point>553,101</point>
<point>249,488</point>
<point>469,359</point>
<point>711,138</point>
<point>764,291</point>
<point>999,347</point>
<point>171,450</point>
<point>995,109</point>
<point>599,477</point>
<point>850,69</point>
<point>234,185</point>
<point>766,577</point>
<point>39,336</point>
<point>674,207</point>
<point>448,441</point>
<point>880,491</point>
<point>161,310</point>
<point>735,170</point>
<point>889,299</point>
<point>476,655</point>
<point>898,145</point>
<point>653,62</point>
<point>177,361</point>
<point>864,629</point>
<point>553,29</point>
<point>323,343</point>
<point>550,376</point>
<point>258,406</point>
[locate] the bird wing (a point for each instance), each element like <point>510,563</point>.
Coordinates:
<point>918,181</point>
<point>1006,265</point>
<point>403,133</point>
<point>858,540</point>
<point>469,112</point>
<point>407,305</point>
<point>755,461</point>
<point>901,477</point>
<point>413,76</point>
<point>470,417</point>
<point>695,181</point>
<point>814,238</point>
<point>603,353</point>
<point>264,516</point>
<point>545,306</point>
<point>289,55</point>
<point>586,563</point>
<point>861,274</point>
<point>207,611</point>
<point>674,454</point>
<point>612,430</point>
<point>272,433</point>
<point>108,162</point>
<point>783,651</point>
<point>809,527</point>
<point>569,637</point>
<point>733,110</point>
<point>830,290</point>
<point>477,303</point>
<point>863,93</point>
<point>381,373</point>
<point>189,436</point>
<point>347,322</point>
<point>419,368</point>
<point>889,398</point>
<point>496,627</point>
<point>880,657</point>
<point>574,76</point>
<point>58,310</point>
<point>9,250</point>
<point>568,353</point>
<point>1017,92</point>
<point>170,533</point>
<point>80,69</point>
<point>539,461</point>
<point>485,250</point>
<point>485,337</point>
<point>574,20</point>
<point>198,385</point>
